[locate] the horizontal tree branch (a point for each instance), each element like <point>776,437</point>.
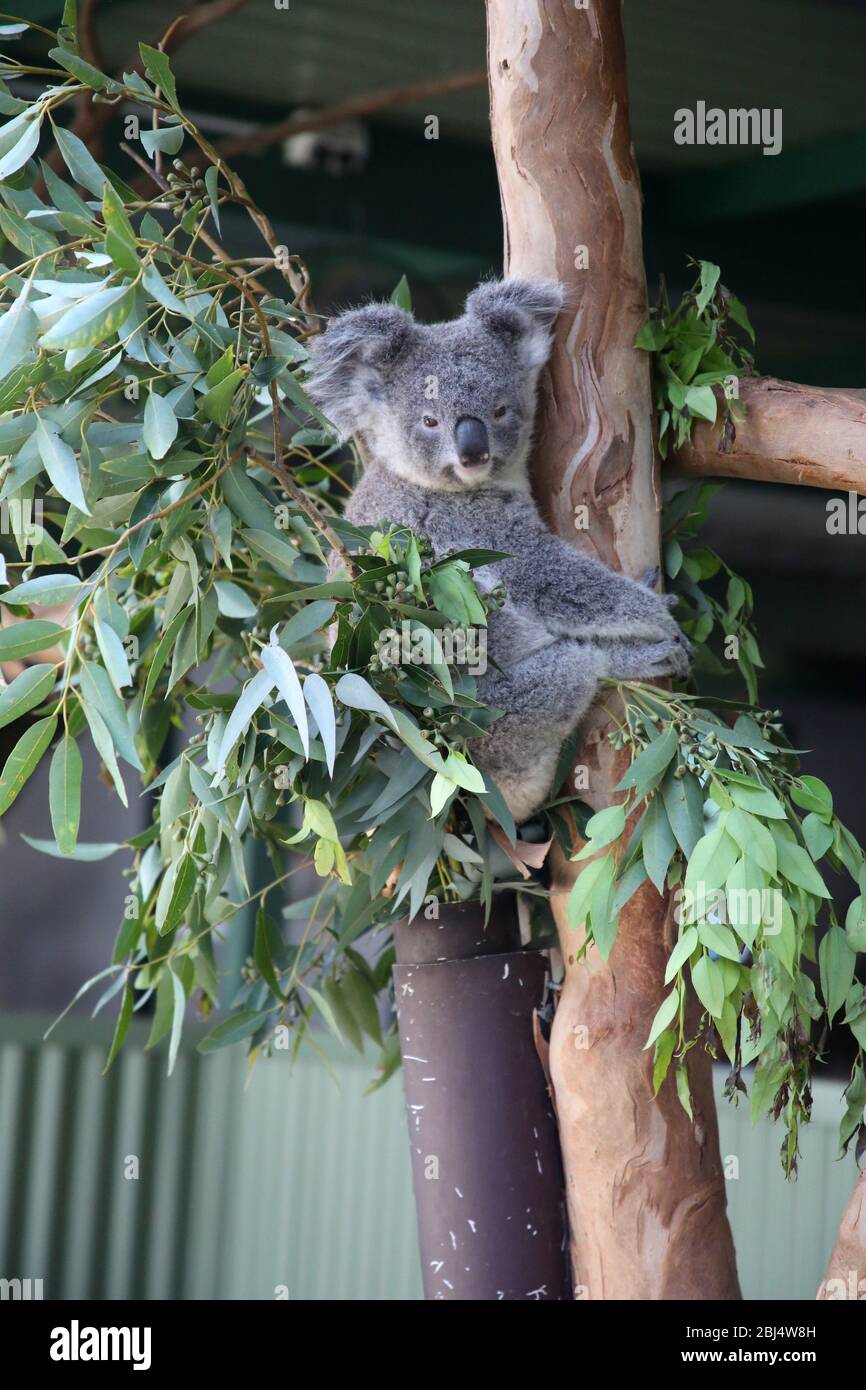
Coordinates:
<point>352,109</point>
<point>814,436</point>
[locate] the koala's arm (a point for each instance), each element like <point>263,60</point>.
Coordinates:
<point>577,596</point>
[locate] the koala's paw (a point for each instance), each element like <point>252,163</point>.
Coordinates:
<point>669,658</point>
<point>650,578</point>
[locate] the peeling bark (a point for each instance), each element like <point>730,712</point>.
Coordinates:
<point>846,1272</point>
<point>645,1187</point>
<point>809,435</point>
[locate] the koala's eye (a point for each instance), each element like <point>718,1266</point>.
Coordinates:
<point>431,422</point>
<point>500,411</point>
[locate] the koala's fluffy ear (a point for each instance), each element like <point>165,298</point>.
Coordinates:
<point>523,310</point>
<point>351,359</point>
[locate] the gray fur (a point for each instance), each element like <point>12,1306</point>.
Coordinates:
<point>568,620</point>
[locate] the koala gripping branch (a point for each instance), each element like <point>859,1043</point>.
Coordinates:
<point>645,1189</point>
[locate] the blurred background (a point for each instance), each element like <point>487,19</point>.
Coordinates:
<point>293,1183</point>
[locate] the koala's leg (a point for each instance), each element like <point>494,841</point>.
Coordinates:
<point>544,697</point>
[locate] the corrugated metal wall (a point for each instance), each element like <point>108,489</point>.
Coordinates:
<point>290,1180</point>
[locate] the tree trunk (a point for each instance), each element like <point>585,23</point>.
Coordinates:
<point>646,1194</point>
<point>813,435</point>
<point>846,1272</point>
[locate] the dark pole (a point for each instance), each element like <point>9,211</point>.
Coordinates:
<point>485,1152</point>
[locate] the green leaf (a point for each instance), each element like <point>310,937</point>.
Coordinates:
<point>753,838</point>
<point>720,939</point>
<point>281,669</point>
<point>712,860</point>
<point>401,295</point>
<point>16,157</point>
<point>684,804</point>
<point>168,139</point>
<point>811,794</point>
<point>233,601</point>
<point>27,690</point>
<point>23,760</point>
<point>855,924</point>
<point>79,161</point>
<point>175,893</point>
<point>19,329</point>
<point>96,688</point>
<point>665,1046</point>
<point>648,767</point>
<point>83,853</point>
<point>797,867</point>
<point>61,466</point>
<point>681,952</point>
<point>818,835</point>
<point>758,800</point>
<point>665,1014</point>
<point>274,549</point>
<point>581,893</point>
<point>163,1012</point>
<point>211,183</point>
<point>605,826</point>
<point>158,69</point>
<point>708,985</point>
<point>64,793</point>
<point>91,320</point>
<point>164,648</point>
<point>658,843</point>
<point>709,279</point>
<point>651,337</point>
<point>122,1026</point>
<point>45,589</point>
<point>701,401</point>
<point>250,702</point>
<point>231,1030</point>
<point>836,962</point>
<point>262,954</point>
<point>120,242</point>
<point>29,637</point>
<point>360,996</point>
<point>85,72</point>
<point>113,654</point>
<point>357,693</point>
<point>216,404</point>
<point>453,593</point>
<point>160,425</point>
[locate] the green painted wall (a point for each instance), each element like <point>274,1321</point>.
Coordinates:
<point>290,1179</point>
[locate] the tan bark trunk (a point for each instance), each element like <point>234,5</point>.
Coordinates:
<point>812,435</point>
<point>846,1272</point>
<point>645,1188</point>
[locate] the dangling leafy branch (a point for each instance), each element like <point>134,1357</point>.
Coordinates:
<point>178,533</point>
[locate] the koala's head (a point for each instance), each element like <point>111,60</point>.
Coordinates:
<point>449,406</point>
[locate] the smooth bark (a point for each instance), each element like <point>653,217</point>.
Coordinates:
<point>809,435</point>
<point>645,1187</point>
<point>846,1272</point>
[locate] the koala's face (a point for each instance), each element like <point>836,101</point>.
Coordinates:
<point>447,406</point>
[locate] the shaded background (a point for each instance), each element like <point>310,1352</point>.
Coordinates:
<point>364,203</point>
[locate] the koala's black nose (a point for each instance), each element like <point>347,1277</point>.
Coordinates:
<point>473,446</point>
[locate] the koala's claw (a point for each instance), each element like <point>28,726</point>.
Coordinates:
<point>668,658</point>
<point>650,578</point>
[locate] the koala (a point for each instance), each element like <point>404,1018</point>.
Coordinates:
<point>444,414</point>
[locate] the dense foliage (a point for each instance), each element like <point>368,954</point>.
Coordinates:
<point>164,488</point>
